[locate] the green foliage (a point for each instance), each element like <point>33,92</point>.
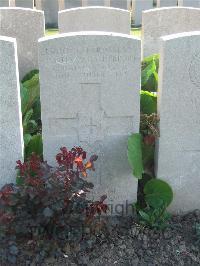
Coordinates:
<point>154,218</point>
<point>29,75</point>
<point>49,207</point>
<point>158,193</point>
<point>141,146</point>
<point>158,196</point>
<point>148,102</point>
<point>150,66</point>
<point>135,154</point>
<point>34,145</point>
<point>149,131</point>
<point>31,113</point>
<point>154,195</point>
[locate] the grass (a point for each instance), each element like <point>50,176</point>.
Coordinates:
<point>134,31</point>
<point>50,32</point>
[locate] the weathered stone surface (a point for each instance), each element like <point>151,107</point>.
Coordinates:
<point>94,19</point>
<point>164,21</point>
<point>138,7</point>
<point>27,26</point>
<point>4,3</point>
<point>90,97</point>
<point>72,3</point>
<point>24,3</point>
<point>11,135</point>
<point>179,110</point>
<point>165,3</point>
<point>191,3</point>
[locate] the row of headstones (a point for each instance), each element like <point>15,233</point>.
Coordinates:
<point>51,7</point>
<point>136,7</point>
<point>27,26</point>
<point>17,3</point>
<point>86,99</point>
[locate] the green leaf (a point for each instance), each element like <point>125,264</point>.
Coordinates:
<point>148,102</point>
<point>27,138</point>
<point>24,98</point>
<point>150,67</point>
<point>158,192</point>
<point>34,145</point>
<point>30,75</point>
<point>144,216</point>
<point>30,93</point>
<point>27,117</point>
<point>148,71</point>
<point>135,154</point>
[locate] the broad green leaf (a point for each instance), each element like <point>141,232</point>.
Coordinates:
<point>34,145</point>
<point>147,72</point>
<point>148,102</point>
<point>27,138</point>
<point>144,216</point>
<point>150,66</point>
<point>24,98</point>
<point>27,117</point>
<point>135,154</point>
<point>37,110</point>
<point>158,192</point>
<point>30,75</point>
<point>32,90</point>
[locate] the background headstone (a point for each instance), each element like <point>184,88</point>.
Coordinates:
<point>138,7</point>
<point>179,110</point>
<point>73,3</point>
<point>90,97</point>
<point>190,3</point>
<point>50,8</point>
<point>11,133</point>
<point>25,3</point>
<point>27,26</point>
<point>166,3</point>
<point>164,21</point>
<point>4,3</point>
<point>123,4</point>
<point>94,19</point>
<point>95,2</point>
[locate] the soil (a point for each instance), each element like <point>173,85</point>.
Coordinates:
<point>127,243</point>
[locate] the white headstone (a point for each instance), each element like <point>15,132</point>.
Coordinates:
<point>190,3</point>
<point>27,26</point>
<point>50,8</point>
<point>138,7</point>
<point>165,3</point>
<point>25,3</point>
<point>164,21</point>
<point>95,2</point>
<point>90,85</point>
<point>11,134</point>
<point>179,110</point>
<point>123,4</point>
<point>4,3</point>
<point>94,19</point>
<point>72,3</point>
